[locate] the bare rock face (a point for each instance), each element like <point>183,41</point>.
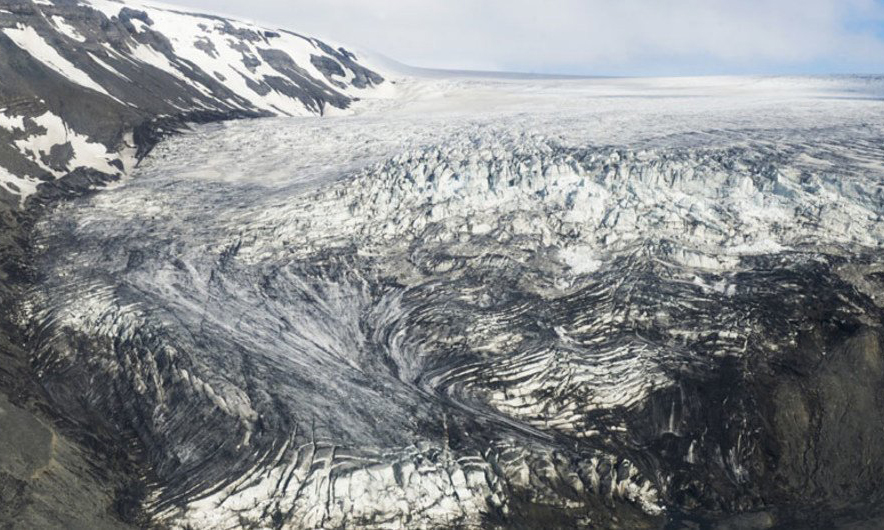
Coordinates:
<point>824,423</point>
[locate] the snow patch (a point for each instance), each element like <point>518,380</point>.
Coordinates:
<point>30,41</point>
<point>11,123</point>
<point>21,186</point>
<point>109,9</point>
<point>86,154</point>
<point>66,29</point>
<point>107,67</point>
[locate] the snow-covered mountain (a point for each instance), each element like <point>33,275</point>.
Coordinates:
<point>90,85</point>
<point>484,302</point>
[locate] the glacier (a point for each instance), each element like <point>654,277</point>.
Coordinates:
<point>255,279</point>
<point>488,302</point>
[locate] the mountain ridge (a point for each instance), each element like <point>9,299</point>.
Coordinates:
<point>79,76</point>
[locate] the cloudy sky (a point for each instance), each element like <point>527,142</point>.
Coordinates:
<point>595,37</point>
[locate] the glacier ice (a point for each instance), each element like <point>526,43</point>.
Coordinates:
<point>427,314</point>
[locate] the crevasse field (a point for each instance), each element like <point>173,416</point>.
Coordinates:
<point>480,300</point>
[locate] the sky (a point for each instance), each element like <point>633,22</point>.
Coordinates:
<point>593,37</point>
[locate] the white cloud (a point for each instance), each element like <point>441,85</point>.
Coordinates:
<point>595,36</point>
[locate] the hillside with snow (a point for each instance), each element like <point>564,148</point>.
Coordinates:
<point>91,85</point>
